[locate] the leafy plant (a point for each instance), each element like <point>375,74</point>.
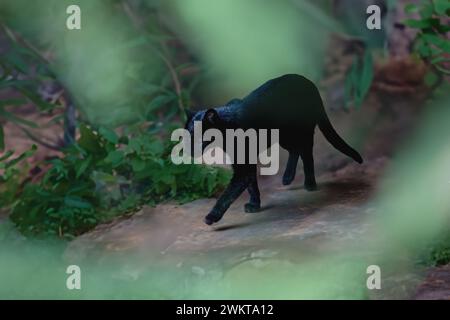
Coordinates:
<point>432,43</point>
<point>11,175</point>
<point>440,255</point>
<point>23,71</point>
<point>437,252</point>
<point>104,175</point>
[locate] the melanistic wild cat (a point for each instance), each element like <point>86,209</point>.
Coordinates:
<point>290,103</point>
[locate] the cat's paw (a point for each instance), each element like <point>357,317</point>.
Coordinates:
<point>210,219</point>
<point>287,180</point>
<point>252,207</point>
<point>311,186</point>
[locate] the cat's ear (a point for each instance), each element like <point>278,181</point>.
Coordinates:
<point>189,114</point>
<point>211,117</point>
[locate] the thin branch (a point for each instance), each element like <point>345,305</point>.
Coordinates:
<point>175,79</point>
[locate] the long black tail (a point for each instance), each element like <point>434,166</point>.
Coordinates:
<point>337,142</point>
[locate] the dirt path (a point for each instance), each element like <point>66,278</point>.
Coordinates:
<point>325,230</point>
<point>294,229</point>
<point>288,213</point>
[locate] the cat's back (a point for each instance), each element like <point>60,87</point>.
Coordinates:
<point>280,86</point>
<point>282,101</point>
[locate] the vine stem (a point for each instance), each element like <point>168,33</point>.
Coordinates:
<point>175,79</point>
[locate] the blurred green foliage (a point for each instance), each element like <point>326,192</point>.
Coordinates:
<point>244,43</point>
<point>359,79</point>
<point>122,67</point>
<point>414,203</point>
<point>23,71</point>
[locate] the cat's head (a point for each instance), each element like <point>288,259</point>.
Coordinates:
<point>209,118</point>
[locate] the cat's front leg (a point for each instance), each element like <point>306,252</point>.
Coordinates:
<point>237,185</point>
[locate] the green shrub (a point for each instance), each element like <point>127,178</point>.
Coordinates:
<point>104,175</point>
<point>431,43</point>
<point>12,175</point>
<point>439,253</point>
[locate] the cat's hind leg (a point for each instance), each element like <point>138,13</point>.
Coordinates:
<point>291,168</point>
<point>254,205</point>
<point>308,168</point>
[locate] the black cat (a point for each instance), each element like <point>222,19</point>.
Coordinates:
<point>290,103</point>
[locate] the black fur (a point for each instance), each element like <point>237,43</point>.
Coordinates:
<point>290,103</point>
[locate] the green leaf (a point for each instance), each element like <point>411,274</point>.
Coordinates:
<point>135,145</point>
<point>366,75</point>
<point>437,41</point>
<point>441,6</point>
<point>23,156</point>
<point>426,11</point>
<point>89,141</point>
<point>210,183</point>
<point>14,83</point>
<point>423,48</point>
<point>411,8</point>
<point>7,155</point>
<point>12,102</point>
<point>77,202</point>
<point>439,59</point>
<point>18,62</point>
<point>35,99</point>
<point>138,164</point>
<point>11,117</point>
<point>109,135</point>
<point>418,24</point>
<point>84,165</point>
<point>430,79</point>
<point>116,157</point>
